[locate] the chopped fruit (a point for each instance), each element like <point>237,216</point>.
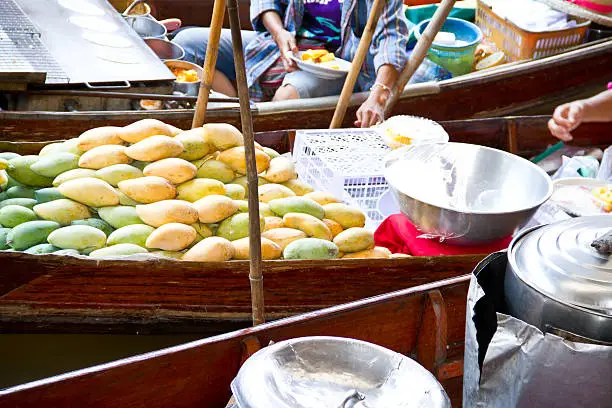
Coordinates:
<point>327,57</point>
<point>492,60</point>
<point>603,198</point>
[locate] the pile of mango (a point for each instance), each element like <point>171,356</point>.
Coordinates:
<point>151,188</point>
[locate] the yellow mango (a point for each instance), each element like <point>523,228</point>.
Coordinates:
<point>333,226</point>
<point>79,237</point>
<point>90,191</point>
<point>194,143</point>
<point>376,252</point>
<point>171,237</point>
<point>48,149</point>
<point>354,240</point>
<point>269,192</point>
<point>222,135</point>
<point>72,175</point>
<point>174,170</point>
<point>196,189</point>
<point>299,187</point>
<point>272,223</point>
<point>155,148</point>
<point>148,189</point>
<point>214,169</point>
<point>105,135</point>
<point>174,131</point>
<point>166,212</point>
<point>235,191</point>
<point>236,159</point>
<point>62,211</point>
<point>142,129</point>
<point>104,156</point>
<point>284,236</point>
<point>344,215</point>
<point>215,208</point>
<point>322,197</point>
<point>281,169</point>
<point>118,172</point>
<point>212,249</point>
<point>269,249</point>
<point>312,226</point>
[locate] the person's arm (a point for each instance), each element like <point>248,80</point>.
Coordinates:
<point>569,116</point>
<point>372,110</point>
<point>283,38</point>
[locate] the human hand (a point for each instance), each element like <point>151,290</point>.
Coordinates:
<point>286,43</point>
<point>371,112</point>
<point>566,118</point>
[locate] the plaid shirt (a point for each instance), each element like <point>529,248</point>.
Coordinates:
<point>388,44</point>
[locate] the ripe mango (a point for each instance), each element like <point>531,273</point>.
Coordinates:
<point>55,164</point>
<point>21,192</point>
<point>62,211</point>
<point>24,202</point>
<point>333,226</point>
<point>299,187</point>
<point>19,169</point>
<point>69,146</point>
<point>104,156</point>
<point>49,149</point>
<point>222,135</point>
<point>311,248</point>
<point>214,169</point>
<point>215,208</point>
<point>79,237</point>
<point>269,192</point>
<point>235,191</point>
<point>148,189</point>
<point>44,195</point>
<point>269,249</point>
<point>174,170</point>
<point>102,225</point>
<point>155,148</point>
<point>194,144</point>
<point>272,223</point>
<point>118,172</point>
<point>282,206</point>
<point>236,159</point>
<point>284,236</point>
<point>212,249</point>
<point>196,189</point>
<point>322,197</point>
<point>354,240</point>
<point>281,169</point>
<point>13,215</point>
<point>105,135</point>
<point>31,233</point>
<point>376,252</point>
<point>41,249</point>
<point>167,211</point>
<point>347,217</point>
<point>135,234</point>
<point>144,128</point>
<point>171,237</point>
<point>237,226</point>
<point>116,251</point>
<point>119,216</point>
<point>90,191</point>
<point>73,175</point>
<point>312,226</point>
<point>3,237</point>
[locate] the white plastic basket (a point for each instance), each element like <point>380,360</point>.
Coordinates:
<point>347,163</point>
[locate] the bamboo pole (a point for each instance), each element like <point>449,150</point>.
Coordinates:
<point>420,51</point>
<point>362,50</point>
<point>210,61</point>
<point>255,273</point>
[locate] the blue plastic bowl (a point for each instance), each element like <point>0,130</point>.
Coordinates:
<point>458,60</point>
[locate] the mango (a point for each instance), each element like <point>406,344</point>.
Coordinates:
<point>31,233</point>
<point>196,189</point>
<point>21,192</point>
<point>269,192</point>
<point>174,131</point>
<point>41,249</point>
<point>155,148</point>
<point>11,182</point>
<point>376,252</point>
<point>194,144</point>
<point>354,240</point>
<point>281,169</point>
<point>174,170</point>
<point>3,196</point>
<point>214,169</point>
<point>312,226</point>
<point>105,135</point>
<point>284,236</point>
<point>215,208</point>
<point>347,217</point>
<point>118,250</point>
<point>104,156</point>
<point>19,169</point>
<point>102,225</point>
<point>45,195</point>
<point>282,206</point>
<point>8,155</point>
<point>322,197</point>
<point>269,249</point>
<point>148,189</point>
<point>212,249</point>
<point>264,209</point>
<point>167,211</point>
<point>171,237</point>
<point>144,128</point>
<point>311,248</point>
<point>177,256</point>
<point>270,152</point>
<point>125,200</point>
<point>66,252</point>
<point>73,175</point>
<point>203,231</point>
<point>235,191</point>
<point>49,149</point>
<point>222,136</point>
<point>237,226</point>
<point>236,159</point>
<point>299,187</point>
<point>55,164</point>
<point>244,183</point>
<point>4,180</point>
<point>272,223</point>
<point>333,226</point>
<point>69,146</point>
<point>62,211</point>
<point>13,215</point>
<point>118,172</point>
<point>90,191</point>
<point>24,202</point>
<point>119,216</point>
<point>3,237</point>
<point>136,234</point>
<point>79,237</point>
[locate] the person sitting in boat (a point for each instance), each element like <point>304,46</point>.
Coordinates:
<point>569,116</point>
<point>284,27</point>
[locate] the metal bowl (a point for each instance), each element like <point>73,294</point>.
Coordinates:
<point>466,194</point>
<point>314,372</point>
<point>146,27</point>
<point>187,88</point>
<point>165,50</point>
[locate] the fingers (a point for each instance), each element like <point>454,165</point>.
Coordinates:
<point>559,132</point>
<point>575,115</point>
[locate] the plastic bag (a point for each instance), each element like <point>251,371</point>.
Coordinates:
<point>577,166</point>
<point>605,168</point>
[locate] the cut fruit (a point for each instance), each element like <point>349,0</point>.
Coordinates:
<point>491,61</point>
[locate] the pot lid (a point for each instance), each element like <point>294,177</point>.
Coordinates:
<point>558,261</point>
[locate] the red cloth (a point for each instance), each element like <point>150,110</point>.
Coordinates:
<point>397,234</point>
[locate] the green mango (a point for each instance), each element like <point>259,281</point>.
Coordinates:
<point>12,182</point>
<point>118,172</point>
<point>237,226</point>
<point>24,202</point>
<point>311,248</point>
<point>45,195</point>
<point>102,225</point>
<point>21,192</point>
<point>118,251</point>
<point>30,233</point>
<point>136,234</point>
<point>235,191</point>
<point>3,237</point>
<point>125,200</point>
<point>120,215</point>
<point>214,169</point>
<point>13,215</point>
<point>73,174</point>
<point>3,196</point>
<point>55,164</point>
<point>19,169</point>
<point>41,249</point>
<point>282,206</point>
<point>79,237</point>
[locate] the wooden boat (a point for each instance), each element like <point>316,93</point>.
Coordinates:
<point>528,87</point>
<point>59,294</point>
<point>425,322</point>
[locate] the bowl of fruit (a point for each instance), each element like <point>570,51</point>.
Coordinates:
<point>322,63</point>
<point>188,76</point>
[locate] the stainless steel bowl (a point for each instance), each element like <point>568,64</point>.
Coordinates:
<point>313,372</point>
<point>146,27</point>
<point>187,88</point>
<point>465,194</point>
<point>165,50</point>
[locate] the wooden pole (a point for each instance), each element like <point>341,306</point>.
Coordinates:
<point>420,51</point>
<point>255,274</point>
<point>362,50</point>
<point>212,49</point>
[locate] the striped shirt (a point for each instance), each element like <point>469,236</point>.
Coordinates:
<point>388,44</point>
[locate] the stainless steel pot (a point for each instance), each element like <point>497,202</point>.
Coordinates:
<point>165,50</point>
<point>187,88</point>
<point>556,280</point>
<point>146,27</point>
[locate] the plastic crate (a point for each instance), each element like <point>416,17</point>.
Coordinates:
<point>347,163</point>
<point>519,44</point>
